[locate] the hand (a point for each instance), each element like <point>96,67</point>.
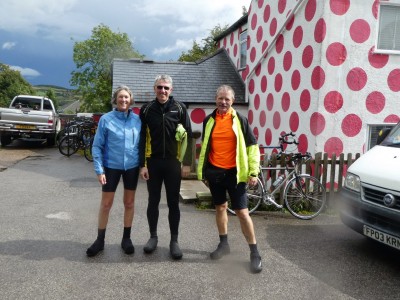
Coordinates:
<point>102,179</point>
<point>252,181</point>
<point>144,173</point>
<point>185,171</point>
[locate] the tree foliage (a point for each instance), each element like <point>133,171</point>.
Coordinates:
<point>93,58</point>
<point>12,84</point>
<point>206,47</point>
<point>52,95</point>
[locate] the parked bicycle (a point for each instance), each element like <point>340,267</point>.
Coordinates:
<point>78,135</point>
<point>304,195</point>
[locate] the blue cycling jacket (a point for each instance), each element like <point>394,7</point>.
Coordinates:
<point>116,143</point>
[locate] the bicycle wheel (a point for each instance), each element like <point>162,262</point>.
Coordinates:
<point>68,145</point>
<point>88,150</point>
<point>254,197</point>
<point>305,196</point>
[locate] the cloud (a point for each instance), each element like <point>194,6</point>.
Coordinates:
<point>26,72</point>
<point>180,45</point>
<point>8,45</point>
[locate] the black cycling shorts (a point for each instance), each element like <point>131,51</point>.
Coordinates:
<point>130,178</point>
<point>222,181</point>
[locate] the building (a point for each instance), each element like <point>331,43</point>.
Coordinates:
<point>328,70</point>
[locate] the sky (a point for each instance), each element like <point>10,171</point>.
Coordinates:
<point>37,36</point>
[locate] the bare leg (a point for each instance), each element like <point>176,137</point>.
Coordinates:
<point>221,218</point>
<point>246,223</point>
<point>129,204</point>
<point>107,199</point>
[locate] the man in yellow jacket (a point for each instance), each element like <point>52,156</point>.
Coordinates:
<point>229,159</point>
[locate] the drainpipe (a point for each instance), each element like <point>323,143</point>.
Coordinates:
<point>263,56</point>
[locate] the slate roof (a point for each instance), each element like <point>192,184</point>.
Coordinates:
<point>194,82</point>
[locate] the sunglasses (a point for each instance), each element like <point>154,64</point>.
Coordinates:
<point>160,87</point>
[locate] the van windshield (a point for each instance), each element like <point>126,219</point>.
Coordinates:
<point>393,138</point>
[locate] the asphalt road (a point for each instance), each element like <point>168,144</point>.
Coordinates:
<point>48,218</point>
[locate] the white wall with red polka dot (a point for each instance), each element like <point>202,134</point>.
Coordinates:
<point>312,69</point>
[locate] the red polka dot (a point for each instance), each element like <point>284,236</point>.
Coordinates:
<point>289,24</point>
<point>197,115</point>
<point>245,72</point>
<point>281,6</point>
<point>270,102</point>
<point>351,125</point>
<point>336,54</point>
<point>256,101</point>
<point>248,42</point>
<point>259,34</point>
<point>317,123</point>
<point>333,145</point>
<point>297,36</point>
<point>263,118</point>
<point>136,110</point>
<point>305,100</point>
<point>375,8</point>
<point>271,65</point>
<point>310,10</point>
<point>320,31</point>
<point>235,51</point>
<point>264,46</point>
<point>232,38</point>
<point>375,102</point>
<point>254,21</point>
<point>276,120</point>
<point>255,132</point>
<point>260,3</point>
<point>251,86</point>
<point>392,119</point>
<point>333,101</point>
<point>377,60</point>
<point>317,78</point>
<point>360,31</point>
<point>285,101</point>
<point>294,121</point>
<point>250,116</point>
<point>224,42</point>
<point>278,82</point>
<point>339,7</point>
<point>268,136</point>
<point>267,13</point>
<point>394,80</point>
<point>303,143</point>
<point>296,78</point>
<point>258,70</point>
<point>287,61</point>
<point>356,79</point>
<point>273,26</point>
<point>280,42</point>
<point>308,56</point>
<point>253,53</point>
<point>264,84</point>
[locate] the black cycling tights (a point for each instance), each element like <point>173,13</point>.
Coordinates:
<point>169,172</point>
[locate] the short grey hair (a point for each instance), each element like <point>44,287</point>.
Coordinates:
<point>226,88</point>
<point>163,77</point>
<point>118,90</point>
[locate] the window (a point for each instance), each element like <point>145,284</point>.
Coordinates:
<point>389,29</point>
<point>373,132</point>
<point>243,49</point>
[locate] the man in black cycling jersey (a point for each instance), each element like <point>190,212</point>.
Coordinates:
<point>159,158</point>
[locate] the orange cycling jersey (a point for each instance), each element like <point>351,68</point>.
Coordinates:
<point>223,142</point>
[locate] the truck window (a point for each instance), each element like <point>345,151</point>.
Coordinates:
<point>47,105</point>
<point>393,138</point>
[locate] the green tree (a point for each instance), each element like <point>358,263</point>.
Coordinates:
<point>93,58</point>
<point>12,84</point>
<point>206,47</point>
<point>51,95</point>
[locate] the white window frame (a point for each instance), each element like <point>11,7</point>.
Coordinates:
<point>243,44</point>
<point>383,17</point>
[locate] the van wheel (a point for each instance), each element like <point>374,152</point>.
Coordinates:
<point>5,140</point>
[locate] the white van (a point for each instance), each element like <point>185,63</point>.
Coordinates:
<point>370,197</point>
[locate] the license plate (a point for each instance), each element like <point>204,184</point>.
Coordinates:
<point>25,126</point>
<point>382,237</point>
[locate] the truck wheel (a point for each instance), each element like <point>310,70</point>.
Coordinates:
<point>5,140</point>
<point>51,141</point>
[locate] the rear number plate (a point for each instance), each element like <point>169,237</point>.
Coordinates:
<point>25,126</point>
<point>382,237</point>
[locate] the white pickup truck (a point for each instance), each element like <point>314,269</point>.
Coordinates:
<point>29,117</point>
